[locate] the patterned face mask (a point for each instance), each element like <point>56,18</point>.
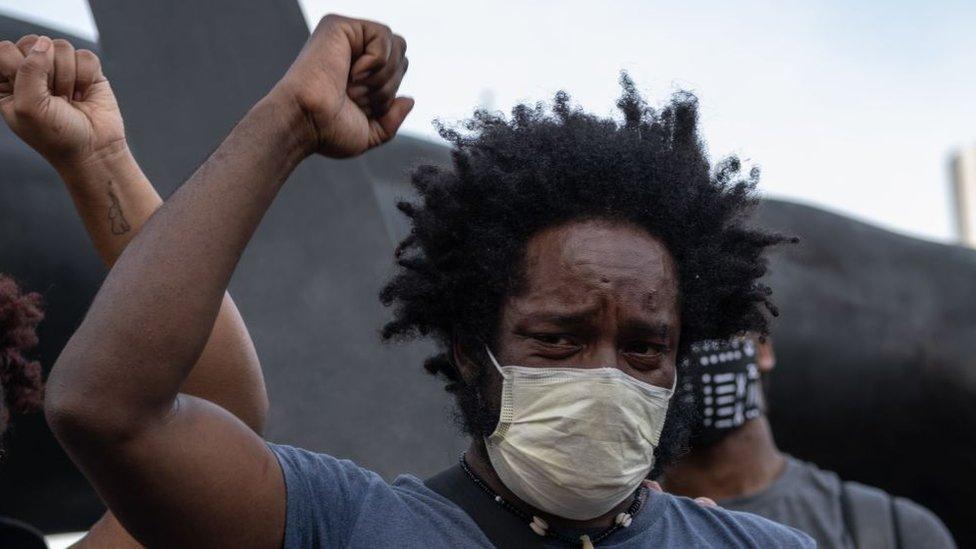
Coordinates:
<point>723,383</point>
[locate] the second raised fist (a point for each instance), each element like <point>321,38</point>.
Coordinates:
<point>345,81</point>
<point>58,101</point>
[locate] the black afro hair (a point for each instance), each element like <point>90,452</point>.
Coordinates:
<point>548,165</point>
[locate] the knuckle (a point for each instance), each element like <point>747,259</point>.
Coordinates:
<point>27,38</point>
<point>381,98</point>
<point>7,44</point>
<point>62,44</point>
<point>87,56</point>
<point>31,65</point>
<point>378,28</point>
<point>24,110</point>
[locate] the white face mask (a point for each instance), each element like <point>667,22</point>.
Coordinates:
<point>575,442</point>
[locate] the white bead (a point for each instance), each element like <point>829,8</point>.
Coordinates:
<point>498,499</point>
<point>624,519</point>
<point>539,526</point>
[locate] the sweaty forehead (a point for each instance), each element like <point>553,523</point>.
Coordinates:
<point>581,261</point>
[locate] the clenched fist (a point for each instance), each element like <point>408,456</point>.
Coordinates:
<point>345,82</point>
<point>58,101</point>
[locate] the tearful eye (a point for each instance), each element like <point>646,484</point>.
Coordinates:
<point>645,348</point>
<point>553,339</point>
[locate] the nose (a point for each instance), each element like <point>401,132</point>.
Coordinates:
<point>604,354</point>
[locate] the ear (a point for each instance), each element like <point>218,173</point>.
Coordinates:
<point>467,368</point>
<point>765,355</point>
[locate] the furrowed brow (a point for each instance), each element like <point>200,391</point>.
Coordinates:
<point>576,319</point>
<point>644,327</point>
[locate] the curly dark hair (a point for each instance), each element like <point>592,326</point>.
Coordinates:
<point>549,165</point>
<point>20,378</point>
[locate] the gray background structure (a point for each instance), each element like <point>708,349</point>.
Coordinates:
<point>876,376</point>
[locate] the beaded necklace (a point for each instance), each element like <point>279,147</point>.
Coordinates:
<point>540,526</point>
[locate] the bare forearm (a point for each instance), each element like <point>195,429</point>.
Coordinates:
<point>150,321</point>
<point>114,199</point>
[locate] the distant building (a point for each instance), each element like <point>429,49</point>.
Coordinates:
<point>964,195</point>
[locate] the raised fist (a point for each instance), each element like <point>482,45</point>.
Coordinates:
<point>345,82</point>
<point>58,101</point>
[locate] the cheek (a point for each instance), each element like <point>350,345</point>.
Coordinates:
<point>663,376</point>
<point>669,374</point>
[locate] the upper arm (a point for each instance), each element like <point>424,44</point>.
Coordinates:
<point>228,372</point>
<point>197,477</point>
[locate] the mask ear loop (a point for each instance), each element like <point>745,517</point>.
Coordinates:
<point>494,360</point>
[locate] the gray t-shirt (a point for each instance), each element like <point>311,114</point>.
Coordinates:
<point>809,499</point>
<point>335,503</point>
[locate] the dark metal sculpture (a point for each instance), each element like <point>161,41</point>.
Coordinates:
<point>876,358</point>
<point>875,379</point>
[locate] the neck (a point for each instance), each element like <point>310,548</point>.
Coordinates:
<point>743,463</point>
<point>477,459</point>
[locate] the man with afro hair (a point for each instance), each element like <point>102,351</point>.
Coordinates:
<point>562,264</point>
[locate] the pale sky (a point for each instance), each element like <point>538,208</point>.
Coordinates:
<point>851,106</point>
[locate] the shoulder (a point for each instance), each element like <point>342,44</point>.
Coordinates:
<point>909,522</point>
<point>301,461</point>
<point>919,527</point>
<point>323,495</point>
<point>305,469</point>
<point>334,503</point>
<point>721,527</point>
<point>813,477</point>
<point>308,473</point>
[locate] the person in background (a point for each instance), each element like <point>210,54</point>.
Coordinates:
<point>734,461</point>
<point>84,140</point>
<point>559,298</point>
<point>21,385</point>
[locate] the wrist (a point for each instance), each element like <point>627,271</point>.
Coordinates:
<point>114,153</point>
<point>289,126</point>
<point>113,159</point>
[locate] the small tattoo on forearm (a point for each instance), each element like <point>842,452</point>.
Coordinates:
<point>115,215</point>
